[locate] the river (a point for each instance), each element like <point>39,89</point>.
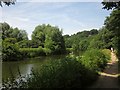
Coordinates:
<point>11,67</point>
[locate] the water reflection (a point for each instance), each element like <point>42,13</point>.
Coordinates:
<point>25,66</point>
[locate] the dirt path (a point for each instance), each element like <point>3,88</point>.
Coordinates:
<point>108,78</point>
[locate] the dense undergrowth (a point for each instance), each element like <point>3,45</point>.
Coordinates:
<point>72,71</point>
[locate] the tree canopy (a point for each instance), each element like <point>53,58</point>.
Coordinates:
<point>112,22</point>
<point>7,2</point>
<point>111,5</point>
<point>49,37</point>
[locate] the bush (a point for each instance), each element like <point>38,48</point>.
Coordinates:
<point>65,73</point>
<point>94,59</point>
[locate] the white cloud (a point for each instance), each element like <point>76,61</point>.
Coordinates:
<point>28,15</point>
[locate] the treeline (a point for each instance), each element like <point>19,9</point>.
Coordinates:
<point>46,40</point>
<point>85,40</point>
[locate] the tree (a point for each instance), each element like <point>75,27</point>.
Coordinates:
<point>38,35</point>
<point>7,2</point>
<point>112,23</point>
<point>9,32</point>
<point>68,42</point>
<point>49,37</point>
<point>10,50</point>
<point>80,41</point>
<point>111,5</point>
<point>83,45</point>
<point>4,29</point>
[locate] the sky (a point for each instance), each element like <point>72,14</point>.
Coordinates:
<point>71,17</point>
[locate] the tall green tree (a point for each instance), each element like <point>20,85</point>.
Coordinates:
<point>49,37</point>
<point>112,23</point>
<point>10,50</point>
<point>9,32</point>
<point>38,35</point>
<point>4,29</point>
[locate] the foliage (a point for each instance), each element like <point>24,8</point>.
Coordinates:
<point>10,41</point>
<point>69,72</point>
<point>4,27</point>
<point>80,41</point>
<point>107,53</point>
<point>10,50</point>
<point>83,45</point>
<point>66,73</point>
<point>103,40</point>
<point>46,40</point>
<point>94,60</point>
<point>69,50</point>
<point>49,37</point>
<point>111,5</point>
<point>9,32</point>
<point>112,23</point>
<point>7,2</point>
<point>38,35</point>
<point>32,52</point>
<point>68,41</point>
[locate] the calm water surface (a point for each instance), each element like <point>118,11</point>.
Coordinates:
<point>25,66</point>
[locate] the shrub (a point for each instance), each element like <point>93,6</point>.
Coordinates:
<point>94,59</point>
<point>65,73</point>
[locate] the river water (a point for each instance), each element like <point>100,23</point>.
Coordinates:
<point>25,66</point>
